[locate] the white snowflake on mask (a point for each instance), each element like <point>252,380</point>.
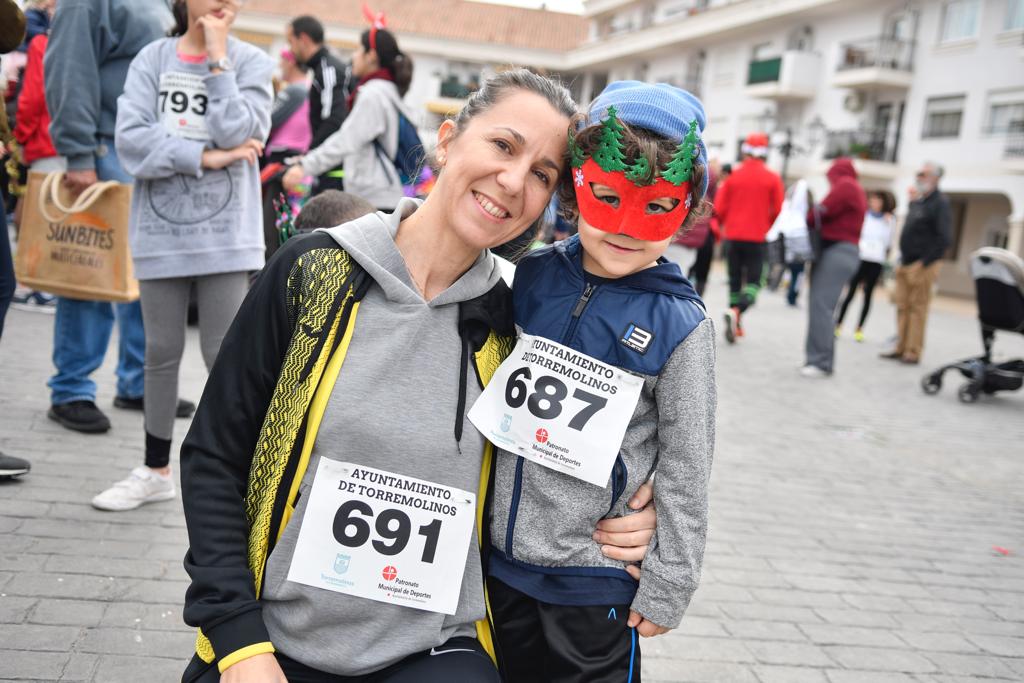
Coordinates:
<point>579,177</point>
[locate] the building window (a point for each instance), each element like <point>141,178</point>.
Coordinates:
<point>942,116</point>
<point>1014,15</point>
<point>1005,117</point>
<point>960,20</point>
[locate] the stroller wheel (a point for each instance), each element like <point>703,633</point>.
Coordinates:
<point>931,384</point>
<point>968,393</point>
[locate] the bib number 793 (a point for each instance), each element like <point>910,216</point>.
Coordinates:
<point>545,402</point>
<point>394,529</point>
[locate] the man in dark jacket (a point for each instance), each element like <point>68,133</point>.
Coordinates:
<point>327,93</point>
<point>927,233</point>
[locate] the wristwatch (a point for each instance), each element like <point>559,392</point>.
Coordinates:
<point>224,64</point>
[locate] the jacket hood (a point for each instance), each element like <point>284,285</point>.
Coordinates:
<point>665,278</point>
<point>370,240</point>
<point>841,168</point>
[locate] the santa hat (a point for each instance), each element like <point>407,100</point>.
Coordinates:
<point>756,145</point>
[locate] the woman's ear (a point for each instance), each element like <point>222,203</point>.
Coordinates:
<point>445,135</point>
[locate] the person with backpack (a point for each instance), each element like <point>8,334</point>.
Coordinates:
<point>377,144</point>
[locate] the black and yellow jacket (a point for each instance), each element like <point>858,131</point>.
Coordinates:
<point>251,439</point>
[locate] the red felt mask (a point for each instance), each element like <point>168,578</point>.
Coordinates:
<point>630,217</point>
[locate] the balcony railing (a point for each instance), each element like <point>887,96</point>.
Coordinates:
<point>764,71</point>
<point>872,145</point>
<point>1014,146</point>
<point>879,52</point>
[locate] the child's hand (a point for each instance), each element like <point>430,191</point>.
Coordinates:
<point>644,627</point>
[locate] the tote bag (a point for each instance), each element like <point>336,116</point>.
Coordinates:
<point>78,249</point>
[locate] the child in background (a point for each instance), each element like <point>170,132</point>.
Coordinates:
<point>330,208</point>
<point>875,240</point>
<point>612,381</point>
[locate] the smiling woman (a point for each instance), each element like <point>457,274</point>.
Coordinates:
<point>332,491</point>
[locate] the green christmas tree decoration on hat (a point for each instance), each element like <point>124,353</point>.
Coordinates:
<point>609,154</point>
<point>640,172</point>
<point>680,166</point>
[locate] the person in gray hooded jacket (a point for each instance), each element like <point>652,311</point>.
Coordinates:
<point>368,140</point>
<point>190,128</point>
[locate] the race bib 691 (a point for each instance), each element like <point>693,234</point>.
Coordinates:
<point>384,536</point>
<point>559,408</point>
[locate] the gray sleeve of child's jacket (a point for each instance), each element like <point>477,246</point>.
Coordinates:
<point>240,101</point>
<point>686,399</point>
<point>144,147</point>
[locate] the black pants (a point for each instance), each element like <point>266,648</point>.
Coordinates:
<point>746,272</point>
<point>702,266</point>
<point>7,282</point>
<point>539,642</point>
<point>460,659</point>
<point>868,275</point>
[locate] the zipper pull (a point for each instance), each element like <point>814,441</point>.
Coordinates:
<point>582,303</point>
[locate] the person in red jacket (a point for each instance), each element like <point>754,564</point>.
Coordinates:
<point>746,205</point>
<point>840,217</point>
<point>33,120</point>
<point>33,134</point>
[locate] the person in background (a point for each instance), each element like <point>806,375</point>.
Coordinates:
<point>327,94</point>
<point>32,132</point>
<point>747,204</point>
<point>12,30</point>
<point>686,245</point>
<point>290,130</point>
<point>193,117</point>
<point>840,215</point>
<point>791,226</point>
<point>698,274</point>
<point>329,209</point>
<point>875,239</point>
<point>92,42</point>
<point>927,233</point>
<point>368,140</point>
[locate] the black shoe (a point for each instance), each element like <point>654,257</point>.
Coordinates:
<point>184,409</point>
<point>80,416</point>
<point>12,467</point>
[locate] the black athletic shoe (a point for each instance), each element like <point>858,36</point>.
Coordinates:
<point>12,467</point>
<point>184,409</point>
<point>80,416</point>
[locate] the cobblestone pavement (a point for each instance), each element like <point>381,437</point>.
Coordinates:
<point>852,538</point>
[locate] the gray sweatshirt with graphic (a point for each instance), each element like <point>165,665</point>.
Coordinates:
<point>393,408</point>
<point>187,220</point>
<point>373,119</point>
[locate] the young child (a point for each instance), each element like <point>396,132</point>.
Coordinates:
<point>612,382</point>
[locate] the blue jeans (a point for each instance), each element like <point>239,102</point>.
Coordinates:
<point>82,329</point>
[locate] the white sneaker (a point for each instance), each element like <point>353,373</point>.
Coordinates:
<point>813,371</point>
<point>143,486</point>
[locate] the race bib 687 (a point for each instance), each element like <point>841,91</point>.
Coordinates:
<point>559,408</point>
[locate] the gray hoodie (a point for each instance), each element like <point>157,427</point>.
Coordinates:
<point>92,42</point>
<point>374,118</point>
<point>187,220</point>
<point>393,407</point>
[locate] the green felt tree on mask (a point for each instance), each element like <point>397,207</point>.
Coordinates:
<point>640,172</point>
<point>680,168</point>
<point>576,156</point>
<point>609,154</point>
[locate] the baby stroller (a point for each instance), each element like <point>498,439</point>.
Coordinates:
<point>999,285</point>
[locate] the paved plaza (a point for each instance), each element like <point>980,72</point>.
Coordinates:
<point>855,529</point>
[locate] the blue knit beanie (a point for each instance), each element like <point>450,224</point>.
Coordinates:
<point>660,108</point>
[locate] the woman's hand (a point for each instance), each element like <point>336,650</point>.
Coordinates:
<point>293,177</point>
<point>215,30</point>
<point>644,627</point>
<point>250,151</point>
<point>626,538</point>
<point>259,669</point>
